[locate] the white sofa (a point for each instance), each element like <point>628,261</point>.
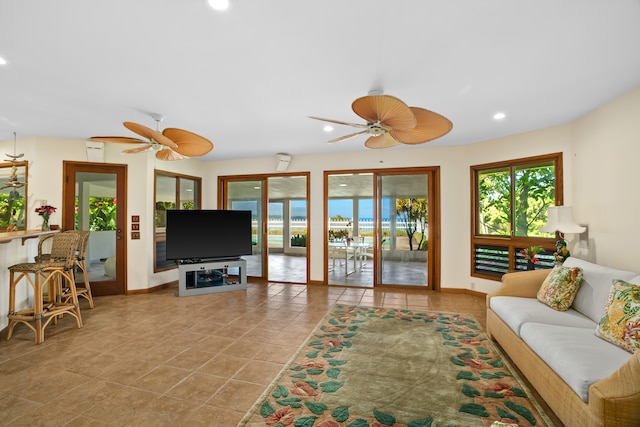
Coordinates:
<point>586,380</point>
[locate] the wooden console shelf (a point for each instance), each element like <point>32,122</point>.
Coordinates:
<point>7,237</point>
<point>211,276</point>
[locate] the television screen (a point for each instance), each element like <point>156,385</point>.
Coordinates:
<point>208,234</point>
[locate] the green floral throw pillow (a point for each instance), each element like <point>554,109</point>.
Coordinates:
<point>560,287</point>
<point>620,324</point>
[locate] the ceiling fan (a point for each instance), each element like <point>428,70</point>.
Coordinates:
<point>170,144</point>
<point>391,122</point>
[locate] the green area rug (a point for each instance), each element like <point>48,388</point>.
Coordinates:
<point>377,367</point>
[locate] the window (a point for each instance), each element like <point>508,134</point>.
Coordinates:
<point>172,191</point>
<point>510,201</point>
<point>13,196</point>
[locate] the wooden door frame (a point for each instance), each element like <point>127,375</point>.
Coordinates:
<point>264,178</point>
<point>434,252</point>
<point>113,287</point>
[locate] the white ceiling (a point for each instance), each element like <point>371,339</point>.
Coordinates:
<point>248,78</point>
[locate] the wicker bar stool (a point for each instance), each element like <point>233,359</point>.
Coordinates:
<point>82,288</point>
<point>48,274</point>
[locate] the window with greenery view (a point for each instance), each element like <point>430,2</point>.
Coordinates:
<point>13,196</point>
<point>172,191</point>
<point>510,202</point>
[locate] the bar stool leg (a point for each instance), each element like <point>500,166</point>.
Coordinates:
<point>12,305</point>
<point>38,308</point>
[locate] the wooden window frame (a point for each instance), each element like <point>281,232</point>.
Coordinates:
<point>512,244</point>
<point>198,202</point>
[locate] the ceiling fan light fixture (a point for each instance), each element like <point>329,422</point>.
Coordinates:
<point>170,144</point>
<point>390,122</point>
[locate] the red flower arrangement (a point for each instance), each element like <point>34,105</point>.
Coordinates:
<point>45,210</point>
<point>530,253</point>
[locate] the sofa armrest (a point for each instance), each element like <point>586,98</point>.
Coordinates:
<point>616,399</point>
<point>520,284</point>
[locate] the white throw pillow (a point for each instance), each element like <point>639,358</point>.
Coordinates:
<point>591,298</point>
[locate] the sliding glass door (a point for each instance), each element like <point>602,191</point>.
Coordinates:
<point>381,227</point>
<point>279,207</point>
<point>350,229</point>
<point>404,225</point>
<point>248,196</point>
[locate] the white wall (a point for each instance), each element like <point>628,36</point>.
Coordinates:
<point>606,152</point>
<point>600,151</point>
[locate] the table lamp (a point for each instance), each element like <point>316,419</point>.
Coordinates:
<point>560,219</point>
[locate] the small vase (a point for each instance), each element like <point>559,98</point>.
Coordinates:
<point>45,224</point>
<point>531,265</point>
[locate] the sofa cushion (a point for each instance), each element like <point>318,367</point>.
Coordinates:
<point>515,311</point>
<point>577,355</point>
<point>594,288</point>
<point>560,287</point>
<point>620,323</point>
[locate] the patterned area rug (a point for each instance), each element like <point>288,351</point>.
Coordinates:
<point>377,367</point>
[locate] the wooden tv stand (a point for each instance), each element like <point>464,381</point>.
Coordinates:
<point>211,276</point>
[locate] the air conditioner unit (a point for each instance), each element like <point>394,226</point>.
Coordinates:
<point>283,162</point>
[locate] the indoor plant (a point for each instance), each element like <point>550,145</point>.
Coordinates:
<point>45,212</point>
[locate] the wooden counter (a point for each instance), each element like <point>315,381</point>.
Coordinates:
<point>7,237</point>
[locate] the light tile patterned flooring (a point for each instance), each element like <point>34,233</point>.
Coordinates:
<point>293,269</point>
<point>158,359</point>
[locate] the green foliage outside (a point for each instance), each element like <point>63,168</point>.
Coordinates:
<point>299,240</point>
<point>102,213</point>
<point>533,193</point>
<point>11,209</point>
<point>161,213</point>
<point>413,215</point>
<point>163,207</point>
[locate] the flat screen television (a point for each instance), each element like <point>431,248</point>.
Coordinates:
<point>194,235</point>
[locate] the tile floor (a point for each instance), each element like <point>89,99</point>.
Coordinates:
<point>157,359</point>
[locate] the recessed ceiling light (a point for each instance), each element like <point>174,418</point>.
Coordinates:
<point>328,128</point>
<point>3,61</point>
<point>342,185</point>
<point>499,116</point>
<point>219,4</point>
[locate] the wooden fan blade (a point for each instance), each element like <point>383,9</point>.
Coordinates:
<point>169,154</point>
<point>389,110</point>
<point>117,139</point>
<point>144,148</point>
<point>430,126</point>
<point>342,138</point>
<point>382,141</point>
<point>358,125</point>
<point>150,134</point>
<point>188,143</point>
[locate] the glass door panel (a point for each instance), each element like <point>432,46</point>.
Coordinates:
<point>95,200</point>
<point>287,256</point>
<point>350,229</point>
<point>248,195</point>
<point>404,224</point>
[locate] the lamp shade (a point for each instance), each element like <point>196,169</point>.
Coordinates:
<point>560,218</point>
